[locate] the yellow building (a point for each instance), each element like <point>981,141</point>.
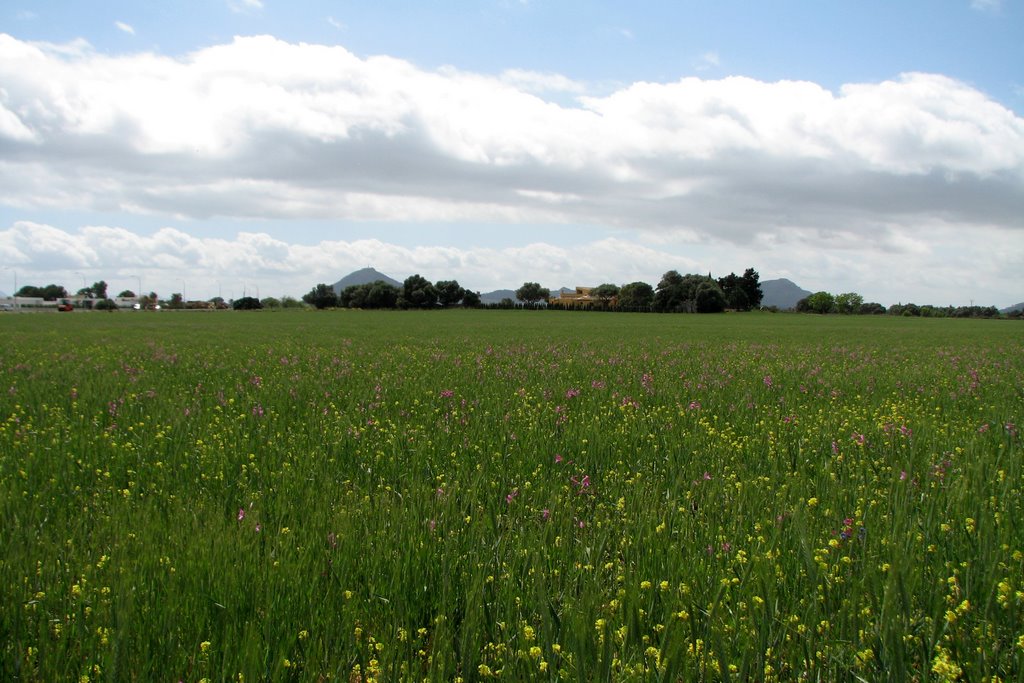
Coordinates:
<point>580,298</point>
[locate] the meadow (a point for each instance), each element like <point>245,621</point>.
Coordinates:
<point>510,495</point>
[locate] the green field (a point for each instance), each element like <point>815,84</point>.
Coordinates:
<point>517,495</point>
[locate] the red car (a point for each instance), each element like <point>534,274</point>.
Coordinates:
<point>65,306</point>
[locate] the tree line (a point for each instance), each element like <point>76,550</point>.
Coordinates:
<point>416,292</point>
<point>851,303</point>
<point>675,293</point>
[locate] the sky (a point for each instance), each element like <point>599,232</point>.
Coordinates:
<point>259,147</point>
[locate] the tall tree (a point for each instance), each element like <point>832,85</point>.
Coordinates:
<point>605,293</point>
<point>636,296</point>
<point>382,295</point>
<point>49,292</point>
<point>849,302</point>
<point>669,294</point>
<point>735,294</point>
<point>821,302</point>
<point>418,292</point>
<point>678,293</point>
<point>709,297</point>
<point>531,293</point>
<point>752,287</point>
<point>321,296</point>
<point>449,292</point>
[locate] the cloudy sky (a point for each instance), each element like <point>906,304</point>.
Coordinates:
<point>244,146</point>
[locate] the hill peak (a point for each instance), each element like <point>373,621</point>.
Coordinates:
<point>361,277</point>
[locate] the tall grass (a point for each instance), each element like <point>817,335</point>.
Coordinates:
<point>519,495</point>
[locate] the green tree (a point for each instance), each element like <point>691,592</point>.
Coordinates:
<point>382,295</point>
<point>668,296</point>
<point>247,303</point>
<point>471,299</point>
<point>129,294</point>
<point>270,302</point>
<point>377,294</point>
<point>848,303</point>
<point>709,297</point>
<point>322,296</point>
<point>418,292</point>
<point>734,291</point>
<point>532,293</point>
<point>449,292</point>
<point>871,308</point>
<point>150,300</point>
<point>751,283</point>
<point>105,305</point>
<point>606,293</point>
<point>176,301</point>
<point>678,293</point>
<point>821,302</point>
<point>49,292</point>
<point>636,296</point>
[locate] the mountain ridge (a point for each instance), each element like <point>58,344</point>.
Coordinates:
<point>361,277</point>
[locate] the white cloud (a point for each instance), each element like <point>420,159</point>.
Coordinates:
<point>243,6</point>
<point>708,60</point>
<point>336,24</point>
<point>987,5</point>
<point>263,129</point>
<point>126,28</point>
<point>536,82</point>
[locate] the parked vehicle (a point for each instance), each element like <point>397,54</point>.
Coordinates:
<point>65,305</point>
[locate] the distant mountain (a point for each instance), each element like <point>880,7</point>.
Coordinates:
<point>497,295</point>
<point>1015,307</point>
<point>782,293</point>
<point>362,277</point>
